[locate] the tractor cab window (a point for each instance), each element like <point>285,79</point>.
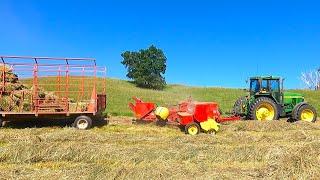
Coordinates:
<point>275,85</point>
<point>264,85</point>
<point>254,86</point>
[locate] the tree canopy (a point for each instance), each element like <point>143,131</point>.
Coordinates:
<point>146,67</point>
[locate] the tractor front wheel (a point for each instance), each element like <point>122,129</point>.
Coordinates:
<point>263,109</point>
<point>307,113</point>
<point>192,129</point>
<point>83,122</point>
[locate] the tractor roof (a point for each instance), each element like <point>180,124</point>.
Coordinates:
<point>266,77</point>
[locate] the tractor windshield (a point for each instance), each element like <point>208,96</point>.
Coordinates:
<point>254,86</point>
<point>275,85</point>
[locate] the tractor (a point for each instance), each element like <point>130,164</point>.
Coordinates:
<point>268,101</point>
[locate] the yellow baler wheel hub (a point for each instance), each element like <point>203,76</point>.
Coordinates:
<point>307,115</point>
<point>193,130</point>
<point>265,112</point>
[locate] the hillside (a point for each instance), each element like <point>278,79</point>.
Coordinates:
<point>120,92</point>
<point>121,150</point>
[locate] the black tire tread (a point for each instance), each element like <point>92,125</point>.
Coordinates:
<point>191,124</point>
<point>253,106</point>
<point>83,117</point>
<point>237,106</point>
<point>296,110</point>
<point>307,106</point>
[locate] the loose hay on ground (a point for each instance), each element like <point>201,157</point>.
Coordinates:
<point>242,150</point>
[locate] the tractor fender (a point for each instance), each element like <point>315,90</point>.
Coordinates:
<point>296,108</point>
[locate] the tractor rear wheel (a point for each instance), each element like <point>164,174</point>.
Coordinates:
<point>192,129</point>
<point>239,106</point>
<point>306,113</point>
<point>83,123</point>
<point>263,109</point>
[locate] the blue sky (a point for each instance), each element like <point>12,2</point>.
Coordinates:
<point>207,43</point>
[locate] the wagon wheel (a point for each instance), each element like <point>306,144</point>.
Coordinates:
<point>83,123</point>
<point>192,129</point>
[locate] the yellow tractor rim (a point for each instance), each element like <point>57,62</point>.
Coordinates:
<point>307,115</point>
<point>265,112</point>
<point>193,130</point>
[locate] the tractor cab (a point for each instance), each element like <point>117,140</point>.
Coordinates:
<point>266,86</point>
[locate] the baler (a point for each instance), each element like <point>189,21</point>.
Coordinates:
<point>193,116</point>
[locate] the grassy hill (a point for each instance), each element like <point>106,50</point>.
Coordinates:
<point>121,150</point>
<point>120,92</point>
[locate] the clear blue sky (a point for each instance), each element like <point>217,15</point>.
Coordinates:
<point>207,43</point>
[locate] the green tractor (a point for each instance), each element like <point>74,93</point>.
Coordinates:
<point>268,101</point>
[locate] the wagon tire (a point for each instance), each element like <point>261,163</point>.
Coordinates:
<point>82,123</point>
<point>192,129</point>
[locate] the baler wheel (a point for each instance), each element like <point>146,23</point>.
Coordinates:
<point>1,122</point>
<point>192,129</point>
<point>83,123</point>
<point>307,113</point>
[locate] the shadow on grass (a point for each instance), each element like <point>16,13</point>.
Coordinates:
<point>48,123</point>
<point>160,124</point>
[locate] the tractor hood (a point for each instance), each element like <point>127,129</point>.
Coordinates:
<point>291,95</point>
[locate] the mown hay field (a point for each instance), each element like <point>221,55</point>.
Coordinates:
<point>121,150</point>
<point>241,150</point>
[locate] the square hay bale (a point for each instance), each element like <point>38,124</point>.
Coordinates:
<point>78,107</point>
<point>7,104</point>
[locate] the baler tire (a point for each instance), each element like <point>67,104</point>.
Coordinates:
<point>238,106</point>
<point>258,102</point>
<point>83,123</point>
<point>192,125</point>
<point>1,123</point>
<point>308,109</point>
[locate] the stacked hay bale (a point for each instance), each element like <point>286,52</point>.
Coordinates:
<point>12,91</point>
<point>78,106</point>
<point>16,97</point>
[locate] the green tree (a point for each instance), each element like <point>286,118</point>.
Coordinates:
<point>146,67</point>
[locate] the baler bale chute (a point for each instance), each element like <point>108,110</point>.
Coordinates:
<point>193,116</point>
<point>268,101</point>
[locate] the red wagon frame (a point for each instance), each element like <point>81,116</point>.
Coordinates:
<point>79,78</point>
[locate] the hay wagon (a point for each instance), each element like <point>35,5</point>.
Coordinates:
<point>52,88</point>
